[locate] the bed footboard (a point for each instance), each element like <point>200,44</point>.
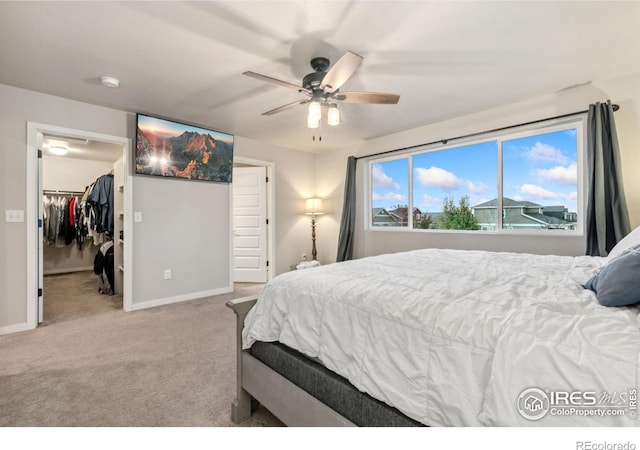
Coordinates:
<point>289,403</point>
<point>241,406</point>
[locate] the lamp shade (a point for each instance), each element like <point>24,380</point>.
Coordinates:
<point>314,206</point>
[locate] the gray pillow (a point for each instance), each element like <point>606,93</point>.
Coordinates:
<point>618,283</point>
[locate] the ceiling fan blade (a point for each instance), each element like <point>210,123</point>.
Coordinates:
<point>340,72</point>
<point>285,107</point>
<point>272,80</point>
<point>367,97</point>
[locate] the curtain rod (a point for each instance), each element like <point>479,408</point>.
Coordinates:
<point>444,141</point>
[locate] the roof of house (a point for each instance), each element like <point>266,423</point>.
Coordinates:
<point>514,217</point>
<point>551,220</point>
<point>402,212</point>
<point>383,212</point>
<point>508,203</point>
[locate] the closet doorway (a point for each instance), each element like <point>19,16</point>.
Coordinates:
<point>83,189</point>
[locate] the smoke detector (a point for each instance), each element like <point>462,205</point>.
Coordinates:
<point>110,82</point>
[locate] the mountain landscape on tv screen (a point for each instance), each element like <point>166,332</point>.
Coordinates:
<point>191,155</point>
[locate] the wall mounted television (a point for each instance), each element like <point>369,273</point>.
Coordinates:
<point>176,150</point>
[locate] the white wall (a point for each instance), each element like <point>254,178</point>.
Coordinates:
<point>331,166</point>
<point>185,224</point>
<point>71,174</point>
<point>184,228</point>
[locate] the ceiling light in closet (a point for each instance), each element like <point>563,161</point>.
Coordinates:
<point>110,82</point>
<point>58,151</point>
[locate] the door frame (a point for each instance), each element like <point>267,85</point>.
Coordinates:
<point>271,206</point>
<point>35,131</point>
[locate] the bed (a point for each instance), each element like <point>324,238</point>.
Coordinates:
<point>440,338</point>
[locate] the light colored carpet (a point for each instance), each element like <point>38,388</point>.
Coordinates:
<point>172,365</point>
<point>72,295</point>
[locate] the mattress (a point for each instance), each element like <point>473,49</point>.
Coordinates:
<point>455,338</point>
<point>330,388</point>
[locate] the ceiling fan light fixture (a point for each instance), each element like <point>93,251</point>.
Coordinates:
<point>333,115</point>
<point>322,86</point>
<point>312,123</point>
<point>315,112</point>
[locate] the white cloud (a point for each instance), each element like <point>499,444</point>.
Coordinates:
<point>561,174</point>
<point>474,188</point>
<point>572,196</point>
<point>431,202</point>
<point>476,200</point>
<point>381,179</point>
<point>544,152</point>
<point>388,196</point>
<point>437,177</point>
<point>518,198</point>
<point>571,132</point>
<point>536,191</point>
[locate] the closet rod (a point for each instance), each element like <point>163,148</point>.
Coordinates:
<point>57,192</point>
<point>444,141</point>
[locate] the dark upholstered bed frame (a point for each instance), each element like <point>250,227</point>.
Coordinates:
<point>297,390</point>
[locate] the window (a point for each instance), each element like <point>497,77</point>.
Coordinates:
<point>540,181</point>
<point>526,180</point>
<point>447,183</point>
<point>390,193</point>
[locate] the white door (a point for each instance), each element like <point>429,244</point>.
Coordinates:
<point>250,224</point>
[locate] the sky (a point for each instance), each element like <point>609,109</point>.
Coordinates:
<point>169,128</point>
<point>541,169</point>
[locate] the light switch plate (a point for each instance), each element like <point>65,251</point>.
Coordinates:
<point>14,215</point>
<point>137,217</point>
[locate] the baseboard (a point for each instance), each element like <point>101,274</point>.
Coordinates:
<point>14,328</point>
<point>180,298</point>
<point>68,270</point>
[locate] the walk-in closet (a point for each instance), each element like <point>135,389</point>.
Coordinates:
<point>82,237</point>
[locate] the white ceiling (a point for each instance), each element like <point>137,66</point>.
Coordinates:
<point>82,148</point>
<point>184,60</point>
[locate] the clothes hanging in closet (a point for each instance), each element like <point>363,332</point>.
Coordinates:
<point>58,228</point>
<point>99,206</point>
<point>68,219</point>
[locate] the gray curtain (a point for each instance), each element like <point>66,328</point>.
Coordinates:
<point>607,216</point>
<point>348,221</point>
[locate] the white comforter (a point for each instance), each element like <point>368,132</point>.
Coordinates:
<point>453,337</point>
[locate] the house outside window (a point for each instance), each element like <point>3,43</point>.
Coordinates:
<point>389,192</point>
<point>529,180</point>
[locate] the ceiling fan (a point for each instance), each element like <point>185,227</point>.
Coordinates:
<point>322,88</point>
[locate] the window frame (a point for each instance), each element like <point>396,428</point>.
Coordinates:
<point>524,131</point>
